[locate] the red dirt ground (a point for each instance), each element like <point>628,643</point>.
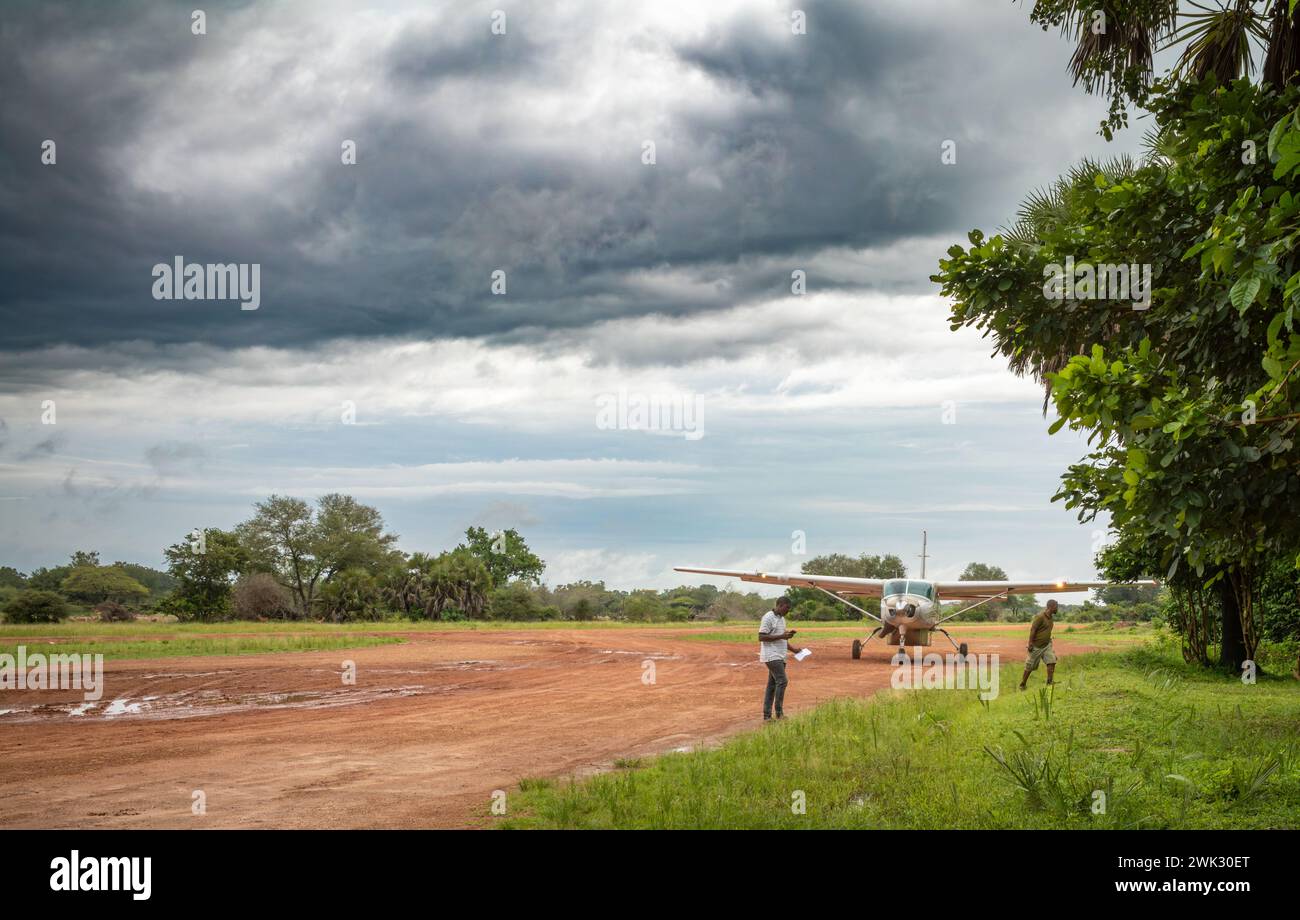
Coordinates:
<point>429,730</point>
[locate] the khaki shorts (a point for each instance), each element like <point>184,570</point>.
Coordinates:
<point>1044,654</point>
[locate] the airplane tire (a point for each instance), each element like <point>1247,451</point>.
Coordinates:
<point>857,649</point>
<point>963,651</point>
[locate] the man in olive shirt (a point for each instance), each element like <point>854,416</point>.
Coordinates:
<point>1040,645</point>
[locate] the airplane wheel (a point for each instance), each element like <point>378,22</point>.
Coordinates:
<point>857,649</point>
<point>963,651</point>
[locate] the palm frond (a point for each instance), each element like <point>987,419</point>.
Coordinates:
<point>1111,39</point>
<point>1282,63</point>
<point>1047,207</point>
<point>1218,41</point>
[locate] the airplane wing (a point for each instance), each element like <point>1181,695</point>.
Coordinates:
<point>861,587</point>
<point>979,590</point>
<point>948,590</point>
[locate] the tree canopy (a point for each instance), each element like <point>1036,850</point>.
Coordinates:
<point>1187,396</point>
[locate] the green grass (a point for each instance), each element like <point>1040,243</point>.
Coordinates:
<point>166,647</point>
<point>299,627</point>
<point>1170,747</point>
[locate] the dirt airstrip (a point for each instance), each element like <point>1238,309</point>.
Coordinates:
<point>429,729</point>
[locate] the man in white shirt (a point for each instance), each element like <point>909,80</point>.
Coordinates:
<point>773,643</point>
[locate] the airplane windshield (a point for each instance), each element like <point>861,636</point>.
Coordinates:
<point>904,586</point>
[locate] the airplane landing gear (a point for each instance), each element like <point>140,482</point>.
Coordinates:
<point>962,650</point>
<point>859,643</point>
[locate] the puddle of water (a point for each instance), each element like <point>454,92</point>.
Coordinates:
<point>185,704</point>
<point>122,707</point>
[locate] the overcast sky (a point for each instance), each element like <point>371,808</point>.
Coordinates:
<point>380,362</point>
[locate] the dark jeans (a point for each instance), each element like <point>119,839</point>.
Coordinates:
<point>776,682</point>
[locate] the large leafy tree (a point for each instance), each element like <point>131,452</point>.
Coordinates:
<point>1017,606</point>
<point>505,554</point>
<point>92,584</point>
<point>1189,403</point>
<point>204,566</point>
<point>305,546</point>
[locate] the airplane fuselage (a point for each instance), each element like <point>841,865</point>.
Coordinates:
<point>908,605</point>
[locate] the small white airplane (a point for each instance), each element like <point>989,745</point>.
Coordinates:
<point>910,607</point>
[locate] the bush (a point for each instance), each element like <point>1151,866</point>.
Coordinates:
<point>516,601</point>
<point>352,594</point>
<point>190,609</point>
<point>260,596</point>
<point>113,612</point>
<point>36,607</point>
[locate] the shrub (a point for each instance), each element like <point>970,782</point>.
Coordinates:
<point>190,609</point>
<point>260,596</point>
<point>113,612</point>
<point>36,607</point>
<point>515,601</point>
<point>352,594</point>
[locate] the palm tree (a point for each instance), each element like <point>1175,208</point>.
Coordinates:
<point>428,585</point>
<point>1116,40</point>
<point>1043,211</point>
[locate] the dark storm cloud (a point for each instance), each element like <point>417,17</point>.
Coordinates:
<point>174,144</point>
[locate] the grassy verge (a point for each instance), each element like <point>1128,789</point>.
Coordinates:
<point>14,631</point>
<point>1165,744</point>
<point>126,647</point>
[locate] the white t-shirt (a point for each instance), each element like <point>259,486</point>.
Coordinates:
<point>774,625</point>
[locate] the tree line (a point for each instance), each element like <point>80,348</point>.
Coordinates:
<point>335,560</point>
